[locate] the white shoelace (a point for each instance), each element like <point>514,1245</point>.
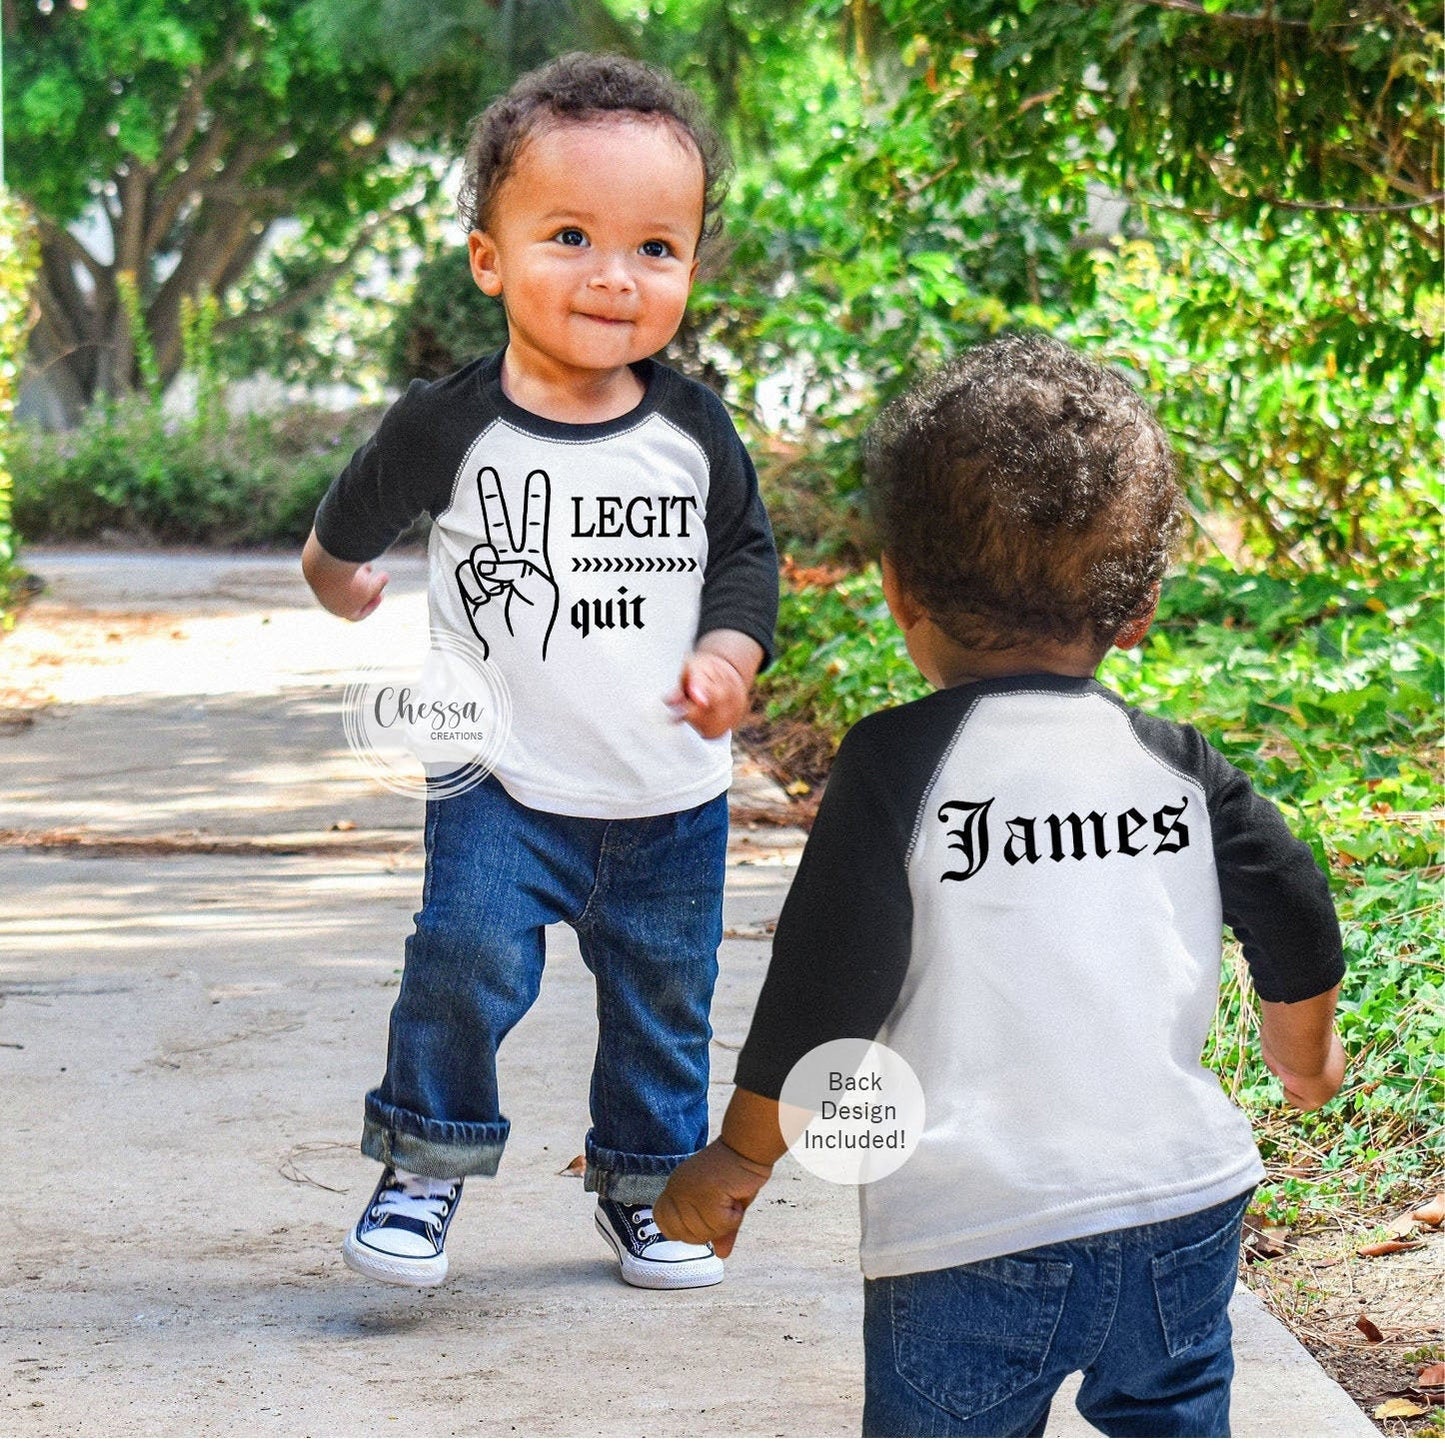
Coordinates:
<point>647,1230</point>
<point>420,1197</point>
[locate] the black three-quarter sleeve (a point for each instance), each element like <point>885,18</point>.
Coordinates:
<point>842,945</point>
<point>1275,899</point>
<point>389,481</point>
<point>740,585</point>
<point>1274,896</point>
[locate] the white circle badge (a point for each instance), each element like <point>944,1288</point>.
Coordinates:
<point>851,1111</point>
<point>433,733</point>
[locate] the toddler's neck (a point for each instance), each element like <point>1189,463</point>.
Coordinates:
<point>576,397</point>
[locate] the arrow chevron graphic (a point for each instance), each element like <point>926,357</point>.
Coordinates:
<point>634,564</point>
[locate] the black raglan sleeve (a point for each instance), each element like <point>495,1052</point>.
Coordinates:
<point>1276,900</point>
<point>841,949</point>
<point>1274,896</point>
<point>740,586</point>
<point>389,481</point>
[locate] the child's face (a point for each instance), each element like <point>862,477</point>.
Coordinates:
<point>593,245</point>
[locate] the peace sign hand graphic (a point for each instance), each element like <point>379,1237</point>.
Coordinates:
<point>509,586</point>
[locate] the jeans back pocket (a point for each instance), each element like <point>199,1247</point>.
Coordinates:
<point>969,1337</point>
<point>1193,1285</point>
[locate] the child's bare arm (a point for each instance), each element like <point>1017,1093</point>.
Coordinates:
<point>349,589</point>
<point>707,1195</point>
<point>1302,1049</point>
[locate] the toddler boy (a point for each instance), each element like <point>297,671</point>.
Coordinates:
<point>1018,883</point>
<point>598,531</point>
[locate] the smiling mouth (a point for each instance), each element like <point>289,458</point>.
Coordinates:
<point>607,320</point>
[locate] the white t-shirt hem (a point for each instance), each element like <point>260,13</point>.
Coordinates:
<point>1062,1223</point>
<point>574,804</point>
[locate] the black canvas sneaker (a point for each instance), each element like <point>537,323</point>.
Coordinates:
<point>402,1233</point>
<point>648,1259</point>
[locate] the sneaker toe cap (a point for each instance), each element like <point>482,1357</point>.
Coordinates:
<point>400,1242</point>
<point>674,1251</point>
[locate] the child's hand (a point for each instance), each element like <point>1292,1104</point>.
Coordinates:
<point>349,589</point>
<point>1301,1048</point>
<point>357,596</point>
<point>707,1196</point>
<point>1310,1091</point>
<point>711,694</point>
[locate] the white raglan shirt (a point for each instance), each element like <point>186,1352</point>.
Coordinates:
<point>648,531</point>
<point>1020,886</point>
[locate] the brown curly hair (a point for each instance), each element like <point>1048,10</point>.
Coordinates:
<point>579,88</point>
<point>1024,492</point>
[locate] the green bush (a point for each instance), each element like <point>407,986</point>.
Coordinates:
<point>447,322</point>
<point>125,469</point>
<point>18,262</point>
<point>1323,450</point>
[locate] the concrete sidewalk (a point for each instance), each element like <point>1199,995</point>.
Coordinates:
<point>195,974</point>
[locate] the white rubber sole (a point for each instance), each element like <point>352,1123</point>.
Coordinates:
<point>663,1274</point>
<point>391,1268</point>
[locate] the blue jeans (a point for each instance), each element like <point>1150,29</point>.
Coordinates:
<point>980,1349</point>
<point>644,896</point>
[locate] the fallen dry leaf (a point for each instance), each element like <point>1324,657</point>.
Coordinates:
<point>1432,1213</point>
<point>1431,1377</point>
<point>1264,1242</point>
<point>1369,1329</point>
<point>1402,1226</point>
<point>1398,1409</point>
<point>1389,1246</point>
<point>577,1168</point>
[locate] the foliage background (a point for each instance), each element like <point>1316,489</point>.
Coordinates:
<point>1238,205</point>
<point>17,271</point>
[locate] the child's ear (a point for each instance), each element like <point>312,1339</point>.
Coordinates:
<point>906,612</point>
<point>485,263</point>
<point>1132,633</point>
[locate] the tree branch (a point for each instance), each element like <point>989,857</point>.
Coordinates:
<point>400,116</point>
<point>57,236</point>
<point>1241,22</point>
<point>318,286</point>
<point>251,198</point>
<point>208,252</point>
<point>1347,208</point>
<point>131,252</point>
<point>56,309</point>
<point>1432,240</point>
<point>1425,195</point>
<point>198,82</point>
<point>189,270</point>
<point>167,206</point>
<point>238,264</point>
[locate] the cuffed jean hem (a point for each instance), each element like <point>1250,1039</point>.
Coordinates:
<point>430,1146</point>
<point>631,1179</point>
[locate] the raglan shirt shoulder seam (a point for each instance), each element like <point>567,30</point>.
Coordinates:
<point>842,947</point>
<point>740,590</point>
<point>813,992</point>
<point>362,514</point>
<point>1275,898</point>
